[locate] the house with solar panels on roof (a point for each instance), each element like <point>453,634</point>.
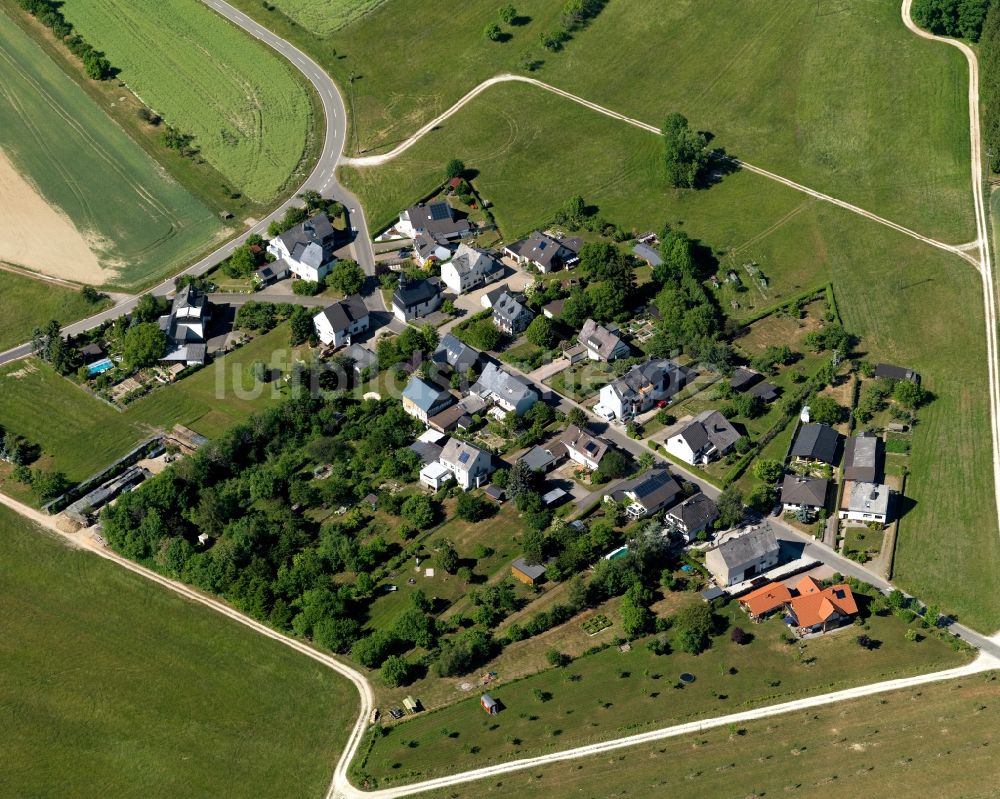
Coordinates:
<point>434,220</point>
<point>545,253</point>
<point>466,464</point>
<point>583,448</point>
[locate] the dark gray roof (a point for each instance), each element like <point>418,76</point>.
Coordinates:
<point>893,372</point>
<point>744,378</point>
<point>545,251</point>
<point>436,219</point>
<point>456,353</point>
<point>416,292</point>
<point>362,357</point>
<point>648,254</point>
<point>665,375</point>
<point>695,512</point>
<point>751,545</point>
<point>710,427</point>
<point>495,294</point>
<point>817,442</point>
<point>510,308</point>
<point>344,312</point>
<point>426,451</point>
<point>315,230</point>
<point>537,458</point>
<point>655,489</point>
<point>798,490</point>
<point>863,458</point>
<point>92,351</point>
<point>766,391</point>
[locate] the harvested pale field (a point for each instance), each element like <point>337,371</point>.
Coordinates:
<point>41,237</point>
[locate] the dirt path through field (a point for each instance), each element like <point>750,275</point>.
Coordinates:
<point>39,236</point>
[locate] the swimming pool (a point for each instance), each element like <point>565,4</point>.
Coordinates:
<point>100,366</point>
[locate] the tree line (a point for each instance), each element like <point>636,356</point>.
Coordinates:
<point>48,12</point>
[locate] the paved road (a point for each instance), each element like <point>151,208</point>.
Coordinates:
<point>322,179</point>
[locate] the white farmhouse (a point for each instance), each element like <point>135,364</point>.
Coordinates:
<point>338,323</point>
<point>306,249</point>
<point>469,269</point>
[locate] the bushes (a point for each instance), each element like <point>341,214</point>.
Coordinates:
<point>49,14</point>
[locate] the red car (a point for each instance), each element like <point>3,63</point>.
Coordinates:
<point>662,404</point>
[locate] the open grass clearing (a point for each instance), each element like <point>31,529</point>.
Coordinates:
<point>248,109</point>
<point>611,693</point>
<point>123,221</point>
<point>28,303</point>
<point>875,746</point>
<point>847,102</point>
<point>114,686</point>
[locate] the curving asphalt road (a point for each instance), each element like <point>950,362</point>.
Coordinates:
<point>322,179</point>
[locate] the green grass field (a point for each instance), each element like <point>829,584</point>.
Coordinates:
<point>937,740</point>
<point>114,686</point>
<point>139,221</point>
<point>326,16</point>
<point>91,434</point>
<point>247,108</point>
<point>611,694</point>
<point>843,99</point>
<point>27,302</point>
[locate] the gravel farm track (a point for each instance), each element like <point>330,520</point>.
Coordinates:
<point>323,178</point>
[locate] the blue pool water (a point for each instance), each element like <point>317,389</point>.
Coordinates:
<point>101,366</point>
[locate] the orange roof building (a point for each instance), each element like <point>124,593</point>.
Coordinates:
<point>818,609</point>
<point>766,599</point>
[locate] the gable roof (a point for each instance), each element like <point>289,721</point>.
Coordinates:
<point>423,394</point>
<point>709,427</point>
<point>755,543</point>
<point>533,571</point>
<point>744,378</point>
<point>582,441</point>
<point>545,250</point>
<point>461,453</point>
<point>415,292</point>
<point>427,244</point>
<point>817,606</point>
<point>695,512</point>
<point>436,219</point>
<point>797,490</point>
<point>494,381</point>
<point>315,230</point>
<point>817,442</point>
<point>537,458</point>
<point>361,355</point>
<point>863,457</point>
<point>510,307</point>
<point>343,313</point>
<point>599,338</point>
<point>654,489</point>
<point>495,294</point>
<point>642,378</point>
<point>456,353</point>
<point>767,598</point>
<point>449,418</point>
<point>766,391</point>
<point>893,372</point>
<point>468,259</point>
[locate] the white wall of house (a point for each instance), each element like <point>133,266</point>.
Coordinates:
<point>470,475</point>
<point>859,516</point>
<point>413,312</point>
<point>338,338</point>
<point>611,401</point>
<point>581,458</point>
<point>679,448</point>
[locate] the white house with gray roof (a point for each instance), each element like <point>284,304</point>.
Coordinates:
<point>545,253</point>
<point>865,502</point>
<point>706,437</point>
<point>641,387</point>
<point>433,219</point>
<point>503,389</point>
<point>306,249</point>
<point>469,465</point>
<point>423,399</point>
<point>337,323</point>
<point>601,343</point>
<point>469,269</point>
<point>583,448</point>
<point>743,555</point>
<point>510,314</point>
<point>415,298</point>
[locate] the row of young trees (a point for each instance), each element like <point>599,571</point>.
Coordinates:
<point>49,13</point>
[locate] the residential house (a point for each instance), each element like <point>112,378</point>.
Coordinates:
<point>545,253</point>
<point>490,298</point>
<point>470,465</point>
<point>888,370</point>
<point>553,310</point>
<point>864,455</point>
<point>744,379</point>
<point>267,274</point>
<point>415,298</point>
<point>451,418</point>
<point>505,390</point>
<point>433,219</point>
<point>816,443</point>
<point>510,314</point>
<point>692,516</point>
<point>306,249</point>
<point>743,555</point>
<point>813,609</point>
<point>363,360</point>
<point>469,269</point>
<point>602,344</point>
<point>706,437</point>
<point>92,353</point>
<point>543,459</point>
<point>423,399</point>
<point>528,573</point>
<point>768,392</point>
<point>648,254</point>
<point>648,493</point>
<point>583,448</point>
<point>454,355</point>
<point>428,446</point>
<point>642,387</point>
<point>762,602</point>
<point>865,502</point>
<point>185,326</point>
<point>429,248</point>
<point>338,323</point>
<point>804,493</point>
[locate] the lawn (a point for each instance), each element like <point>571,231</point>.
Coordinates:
<point>861,539</point>
<point>113,686</point>
<point>91,434</point>
<point>811,95</point>
<point>28,303</point>
<point>936,740</point>
<point>582,380</point>
<point>610,694</point>
<point>139,222</point>
<point>326,16</point>
<point>248,109</point>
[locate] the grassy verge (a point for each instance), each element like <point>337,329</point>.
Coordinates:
<point>610,694</point>
<point>116,687</point>
<point>27,303</point>
<point>876,746</point>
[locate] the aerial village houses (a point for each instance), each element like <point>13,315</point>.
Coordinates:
<point>583,448</point>
<point>816,443</point>
<point>185,327</point>
<point>423,399</point>
<point>601,343</point>
<point>647,494</point>
<point>336,324</point>
<point>865,502</point>
<point>864,456</point>
<point>743,555</point>
<point>804,493</point>
<point>467,464</point>
<point>545,253</point>
<point>435,220</point>
<point>641,387</point>
<point>469,269</point>
<point>706,437</point>
<point>415,298</point>
<point>691,517</point>
<point>510,314</point>
<point>504,390</point>
<point>306,249</point>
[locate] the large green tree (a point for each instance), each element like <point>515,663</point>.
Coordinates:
<point>144,345</point>
<point>686,155</point>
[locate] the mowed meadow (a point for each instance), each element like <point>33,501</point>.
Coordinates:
<point>111,685</point>
<point>248,109</point>
<point>113,216</point>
